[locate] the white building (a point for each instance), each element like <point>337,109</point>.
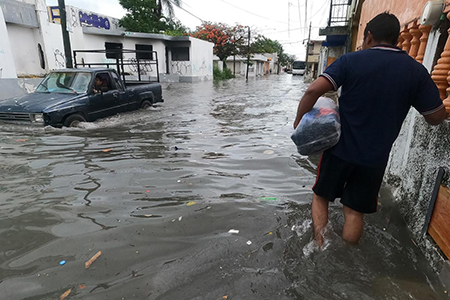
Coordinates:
<point>260,64</point>
<point>31,43</point>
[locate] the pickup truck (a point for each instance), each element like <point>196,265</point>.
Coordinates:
<point>69,96</point>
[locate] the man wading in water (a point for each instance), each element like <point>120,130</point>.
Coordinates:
<point>379,85</point>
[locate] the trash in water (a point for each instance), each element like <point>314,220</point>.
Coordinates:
<point>82,286</point>
<point>225,297</point>
<point>137,252</point>
<point>293,228</point>
<point>180,218</point>
<point>190,203</point>
<point>176,148</point>
<point>249,243</point>
<point>233,231</point>
<point>63,262</point>
<point>267,198</point>
<point>107,150</point>
<point>92,260</point>
<point>21,140</point>
<point>64,296</point>
<point>269,152</point>
<point>147,191</point>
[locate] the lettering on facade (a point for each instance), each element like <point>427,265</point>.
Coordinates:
<point>92,20</point>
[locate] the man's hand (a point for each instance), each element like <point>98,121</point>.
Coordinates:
<point>437,117</point>
<point>319,87</point>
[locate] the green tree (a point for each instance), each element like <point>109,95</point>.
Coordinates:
<point>147,16</point>
<point>228,41</point>
<point>169,7</point>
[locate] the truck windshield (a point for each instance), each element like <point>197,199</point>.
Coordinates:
<point>65,82</point>
<point>299,65</point>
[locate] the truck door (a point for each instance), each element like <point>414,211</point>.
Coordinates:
<point>104,99</point>
<point>125,101</point>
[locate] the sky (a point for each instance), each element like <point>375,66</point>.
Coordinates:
<point>286,21</point>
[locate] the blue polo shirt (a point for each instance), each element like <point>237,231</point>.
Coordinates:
<point>379,85</point>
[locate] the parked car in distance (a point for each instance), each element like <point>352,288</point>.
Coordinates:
<point>67,97</point>
<point>298,68</point>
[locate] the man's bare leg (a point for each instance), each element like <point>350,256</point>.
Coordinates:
<point>319,210</point>
<point>353,225</point>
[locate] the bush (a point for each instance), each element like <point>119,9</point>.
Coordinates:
<point>222,75</point>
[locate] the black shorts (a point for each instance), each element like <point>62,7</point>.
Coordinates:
<point>356,185</point>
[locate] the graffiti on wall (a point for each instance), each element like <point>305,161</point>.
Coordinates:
<point>180,67</point>
<point>60,59</point>
<point>73,19</point>
<point>144,67</point>
<point>89,19</point>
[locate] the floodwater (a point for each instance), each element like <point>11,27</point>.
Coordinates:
<point>158,191</point>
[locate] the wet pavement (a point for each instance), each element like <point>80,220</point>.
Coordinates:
<point>158,192</point>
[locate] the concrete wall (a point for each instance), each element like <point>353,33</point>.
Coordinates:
<point>415,158</point>
<point>201,59</point>
<point>7,67</point>
<point>25,50</point>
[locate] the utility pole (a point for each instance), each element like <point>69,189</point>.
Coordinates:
<point>248,55</point>
<point>307,48</point>
<point>65,33</point>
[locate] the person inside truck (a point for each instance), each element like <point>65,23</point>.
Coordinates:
<point>100,84</point>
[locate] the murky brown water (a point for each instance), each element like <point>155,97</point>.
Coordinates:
<point>158,191</point>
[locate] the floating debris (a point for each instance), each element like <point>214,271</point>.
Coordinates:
<point>233,231</point>
<point>249,243</point>
<point>191,203</point>
<point>64,296</point>
<point>21,140</point>
<point>180,218</point>
<point>269,152</point>
<point>268,199</point>
<point>92,260</point>
<point>107,150</point>
<point>62,263</point>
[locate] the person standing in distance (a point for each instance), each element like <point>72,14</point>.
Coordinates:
<point>379,85</point>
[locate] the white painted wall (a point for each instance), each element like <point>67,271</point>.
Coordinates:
<point>201,55</point>
<point>25,50</point>
<point>7,67</point>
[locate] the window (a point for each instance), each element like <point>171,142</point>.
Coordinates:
<point>106,81</point>
<point>180,54</point>
<point>113,50</point>
<point>145,54</point>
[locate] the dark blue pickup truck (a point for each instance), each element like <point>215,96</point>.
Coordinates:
<point>70,96</point>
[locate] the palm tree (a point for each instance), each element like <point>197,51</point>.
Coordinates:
<point>168,6</point>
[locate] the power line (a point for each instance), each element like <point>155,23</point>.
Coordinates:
<point>189,12</point>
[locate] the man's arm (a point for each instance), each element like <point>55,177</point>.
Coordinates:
<point>437,117</point>
<point>319,87</point>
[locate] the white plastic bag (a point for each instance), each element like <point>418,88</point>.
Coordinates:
<point>319,129</point>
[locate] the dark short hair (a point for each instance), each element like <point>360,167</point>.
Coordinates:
<point>384,28</point>
<point>99,78</point>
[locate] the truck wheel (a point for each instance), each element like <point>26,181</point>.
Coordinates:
<point>146,104</point>
<point>74,120</point>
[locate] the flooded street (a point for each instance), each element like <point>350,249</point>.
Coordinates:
<point>158,191</point>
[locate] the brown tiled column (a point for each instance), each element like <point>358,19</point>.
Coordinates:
<point>442,68</point>
<point>415,42</point>
<point>425,29</point>
<point>406,45</point>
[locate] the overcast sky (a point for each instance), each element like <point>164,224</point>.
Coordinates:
<point>282,20</point>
